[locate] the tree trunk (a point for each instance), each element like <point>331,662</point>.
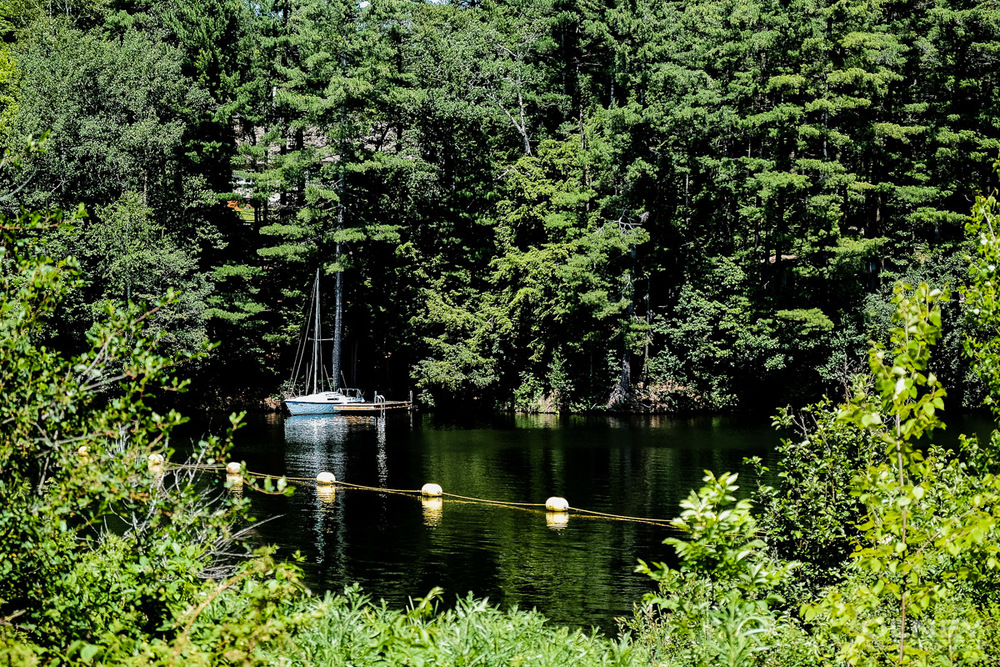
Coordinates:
<point>338,307</point>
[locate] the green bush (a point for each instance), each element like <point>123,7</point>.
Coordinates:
<point>101,553</point>
<point>720,605</point>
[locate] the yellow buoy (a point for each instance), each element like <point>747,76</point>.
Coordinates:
<point>556,520</point>
<point>557,504</point>
<point>233,468</point>
<point>431,490</point>
<point>326,478</point>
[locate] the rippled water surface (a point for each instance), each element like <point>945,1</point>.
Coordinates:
<point>579,572</point>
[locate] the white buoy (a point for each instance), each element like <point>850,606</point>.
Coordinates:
<point>557,504</point>
<point>233,468</point>
<point>82,451</point>
<point>155,461</point>
<point>431,490</point>
<point>326,478</point>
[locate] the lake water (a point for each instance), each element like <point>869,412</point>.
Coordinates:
<point>578,573</point>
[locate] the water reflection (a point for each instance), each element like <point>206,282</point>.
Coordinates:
<point>556,520</point>
<point>326,494</point>
<point>383,467</point>
<point>433,510</point>
<point>316,429</point>
<point>235,485</point>
<point>575,570</point>
<point>315,444</point>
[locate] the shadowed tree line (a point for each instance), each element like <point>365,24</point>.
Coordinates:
<point>554,205</point>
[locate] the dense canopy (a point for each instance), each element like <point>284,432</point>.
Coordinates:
<point>551,204</point>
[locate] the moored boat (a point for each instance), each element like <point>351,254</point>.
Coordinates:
<point>341,402</point>
<point>323,400</point>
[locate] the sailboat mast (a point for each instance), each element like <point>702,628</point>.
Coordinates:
<point>316,336</point>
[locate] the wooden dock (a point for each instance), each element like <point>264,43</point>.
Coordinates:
<point>369,408</point>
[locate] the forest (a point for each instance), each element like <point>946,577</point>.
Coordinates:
<point>541,205</point>
<point>550,205</point>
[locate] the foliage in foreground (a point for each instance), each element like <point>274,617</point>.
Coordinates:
<point>721,605</point>
<point>896,537</point>
<point>103,555</point>
<point>348,629</point>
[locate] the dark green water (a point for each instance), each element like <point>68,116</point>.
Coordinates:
<point>579,573</point>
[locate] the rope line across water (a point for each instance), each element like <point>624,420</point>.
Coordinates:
<point>584,513</point>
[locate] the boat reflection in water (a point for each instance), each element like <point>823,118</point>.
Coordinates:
<point>323,443</point>
<point>318,443</point>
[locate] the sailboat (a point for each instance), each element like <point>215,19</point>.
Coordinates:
<point>322,398</point>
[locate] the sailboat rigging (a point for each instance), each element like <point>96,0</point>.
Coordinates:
<point>313,391</point>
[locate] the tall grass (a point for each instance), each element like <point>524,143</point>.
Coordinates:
<point>350,629</point>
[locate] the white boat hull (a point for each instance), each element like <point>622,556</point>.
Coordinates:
<point>307,408</point>
<point>300,408</point>
<point>335,403</point>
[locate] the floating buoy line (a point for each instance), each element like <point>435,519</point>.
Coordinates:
<point>431,495</point>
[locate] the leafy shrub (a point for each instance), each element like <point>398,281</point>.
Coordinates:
<point>101,553</point>
<point>720,606</point>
